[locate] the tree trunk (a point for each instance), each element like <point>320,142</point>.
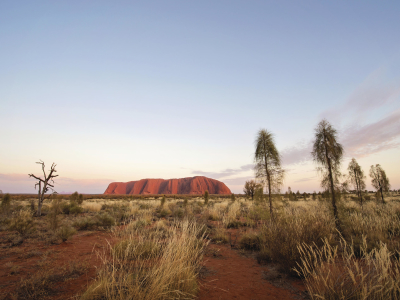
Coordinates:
<point>39,212</point>
<point>269,187</point>
<point>383,201</point>
<point>335,211</point>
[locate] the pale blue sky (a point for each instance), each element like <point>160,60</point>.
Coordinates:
<point>125,90</point>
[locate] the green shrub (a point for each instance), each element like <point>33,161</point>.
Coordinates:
<point>22,222</point>
<point>74,197</point>
<point>80,199</point>
<point>72,208</point>
<point>105,220</point>
<point>65,233</point>
<point>85,223</point>
<point>233,198</point>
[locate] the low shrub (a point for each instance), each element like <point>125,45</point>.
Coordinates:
<point>219,236</point>
<point>250,241</point>
<point>22,222</point>
<point>72,208</point>
<point>105,220</point>
<point>85,223</point>
<point>65,232</point>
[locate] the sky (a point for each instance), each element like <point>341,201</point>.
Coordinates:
<point>127,90</point>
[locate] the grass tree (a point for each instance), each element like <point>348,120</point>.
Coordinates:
<point>328,153</point>
<point>356,178</point>
<point>268,164</point>
<point>379,179</point>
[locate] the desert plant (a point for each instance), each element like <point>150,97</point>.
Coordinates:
<point>105,220</point>
<point>219,236</point>
<point>233,197</point>
<point>162,201</point>
<point>379,180</point>
<point>334,272</point>
<point>328,153</point>
<point>133,249</point>
<point>356,178</point>
<point>250,188</point>
<point>80,199</point>
<point>250,241</point>
<point>22,222</point>
<point>268,163</point>
<point>206,197</point>
<point>5,202</point>
<point>65,232</point>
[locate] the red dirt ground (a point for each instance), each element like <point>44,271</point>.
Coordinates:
<point>81,249</point>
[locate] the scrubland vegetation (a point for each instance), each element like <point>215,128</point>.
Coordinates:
<point>156,246</point>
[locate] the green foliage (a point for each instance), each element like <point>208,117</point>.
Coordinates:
<point>105,220</point>
<point>65,232</point>
<point>71,208</point>
<point>162,201</point>
<point>22,222</point>
<point>179,213</point>
<point>233,198</point>
<point>80,199</point>
<point>85,223</point>
<point>74,197</point>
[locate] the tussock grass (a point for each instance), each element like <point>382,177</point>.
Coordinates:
<point>335,272</point>
<point>167,274</point>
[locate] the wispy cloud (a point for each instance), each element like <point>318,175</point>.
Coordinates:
<point>306,179</point>
<point>369,95</point>
<point>224,173</point>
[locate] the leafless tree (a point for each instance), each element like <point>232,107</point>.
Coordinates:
<point>45,184</point>
<point>379,179</point>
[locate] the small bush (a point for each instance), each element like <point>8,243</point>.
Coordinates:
<point>22,222</point>
<point>72,208</point>
<point>219,236</point>
<point>164,213</point>
<point>250,241</point>
<point>179,213</point>
<point>85,224</point>
<point>233,198</point>
<point>162,201</point>
<point>5,201</point>
<point>105,220</point>
<point>80,199</point>
<point>234,224</point>
<point>65,233</point>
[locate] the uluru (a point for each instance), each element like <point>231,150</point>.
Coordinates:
<point>190,185</point>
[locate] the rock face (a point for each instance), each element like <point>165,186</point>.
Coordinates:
<point>190,185</point>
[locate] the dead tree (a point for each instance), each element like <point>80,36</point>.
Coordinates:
<point>45,184</point>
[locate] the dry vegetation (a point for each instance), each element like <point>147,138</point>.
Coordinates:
<point>156,244</point>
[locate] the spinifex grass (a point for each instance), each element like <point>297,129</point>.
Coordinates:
<point>170,272</point>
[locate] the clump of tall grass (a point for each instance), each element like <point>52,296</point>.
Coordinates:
<point>332,272</point>
<point>169,274</point>
<point>292,227</point>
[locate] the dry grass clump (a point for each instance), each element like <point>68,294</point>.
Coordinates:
<point>336,273</point>
<point>295,226</point>
<point>250,241</point>
<point>167,274</point>
<point>219,236</point>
